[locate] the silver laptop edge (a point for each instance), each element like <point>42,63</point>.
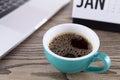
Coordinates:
<point>22,22</point>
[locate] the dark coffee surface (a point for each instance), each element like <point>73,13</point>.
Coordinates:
<point>70,45</point>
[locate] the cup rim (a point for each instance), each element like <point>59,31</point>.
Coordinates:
<point>66,58</point>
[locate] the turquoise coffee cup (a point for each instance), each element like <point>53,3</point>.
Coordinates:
<point>73,65</point>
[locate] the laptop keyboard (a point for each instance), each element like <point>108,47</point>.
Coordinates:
<point>7,6</point>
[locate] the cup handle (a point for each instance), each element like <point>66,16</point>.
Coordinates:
<point>106,61</point>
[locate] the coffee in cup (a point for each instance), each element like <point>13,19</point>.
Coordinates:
<point>70,45</point>
<point>72,48</point>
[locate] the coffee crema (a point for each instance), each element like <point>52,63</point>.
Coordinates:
<point>70,45</point>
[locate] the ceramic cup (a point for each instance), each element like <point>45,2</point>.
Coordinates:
<point>73,65</point>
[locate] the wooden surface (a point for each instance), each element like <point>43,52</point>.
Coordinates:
<point>28,62</point>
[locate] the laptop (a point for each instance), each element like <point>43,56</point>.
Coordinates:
<point>20,18</point>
